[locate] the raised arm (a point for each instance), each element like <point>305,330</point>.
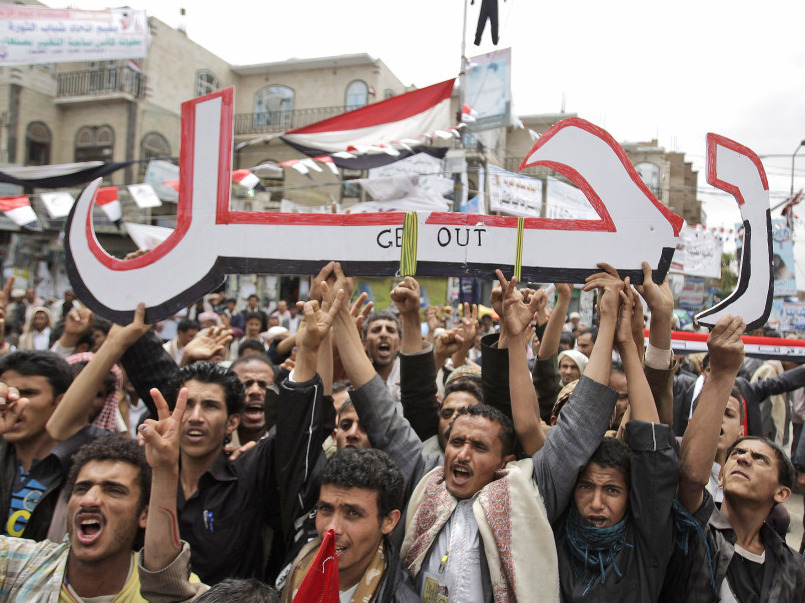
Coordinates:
<point>700,444</point>
<point>553,332</point>
<point>659,359</point>
<point>204,347</point>
<point>72,414</point>
<point>164,562</point>
<point>525,407</point>
<point>467,329</point>
<point>641,402</point>
<point>77,323</point>
<point>585,418</point>
<point>386,429</point>
<point>406,297</point>
<point>417,368</point>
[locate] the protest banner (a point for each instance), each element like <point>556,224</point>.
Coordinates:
<point>211,240</point>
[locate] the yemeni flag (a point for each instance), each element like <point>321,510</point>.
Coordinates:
<point>374,126</point>
<point>110,204</point>
<point>321,581</point>
<point>18,209</point>
<point>245,178</point>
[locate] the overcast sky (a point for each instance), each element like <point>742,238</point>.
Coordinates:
<point>642,70</point>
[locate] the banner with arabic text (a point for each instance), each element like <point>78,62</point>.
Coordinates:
<point>37,34</point>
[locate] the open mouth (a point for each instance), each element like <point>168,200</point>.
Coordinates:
<point>384,348</point>
<point>599,521</point>
<point>461,474</point>
<point>254,410</point>
<point>88,528</point>
<point>194,434</point>
<point>339,549</point>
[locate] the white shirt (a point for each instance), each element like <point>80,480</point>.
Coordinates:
<point>461,542</point>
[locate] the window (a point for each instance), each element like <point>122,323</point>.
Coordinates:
<point>37,143</point>
<point>650,174</point>
<point>153,146</point>
<point>357,95</point>
<point>206,82</point>
<point>274,106</point>
<point>94,143</point>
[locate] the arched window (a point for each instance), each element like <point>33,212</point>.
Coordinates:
<point>154,145</point>
<point>94,143</point>
<point>37,143</point>
<point>274,106</point>
<point>357,95</point>
<point>206,82</point>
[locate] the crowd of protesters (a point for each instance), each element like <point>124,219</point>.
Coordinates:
<point>324,450</point>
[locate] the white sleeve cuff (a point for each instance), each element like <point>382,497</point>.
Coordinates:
<point>659,359</point>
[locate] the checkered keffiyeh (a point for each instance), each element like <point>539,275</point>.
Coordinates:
<point>107,418</point>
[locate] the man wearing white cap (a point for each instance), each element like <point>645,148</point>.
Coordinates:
<point>573,323</point>
<point>571,365</point>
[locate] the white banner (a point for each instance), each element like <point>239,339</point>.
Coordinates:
<point>144,195</point>
<point>58,204</point>
<point>566,202</point>
<point>514,194</point>
<point>698,253</point>
<point>35,34</point>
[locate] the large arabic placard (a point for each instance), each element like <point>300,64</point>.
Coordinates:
<point>211,240</point>
<point>37,34</point>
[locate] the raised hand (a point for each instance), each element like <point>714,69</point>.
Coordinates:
<point>78,321</point>
<point>516,313</point>
<point>11,407</point>
<point>338,281</point>
<point>161,438</point>
<point>406,296</point>
<point>448,343</point>
<point>725,345</point>
<point>5,294</point>
<point>658,297</point>
<point>315,281</point>
<point>204,347</point>
<point>360,312</point>
<point>609,285</point>
<point>623,333</point>
<point>133,331</point>
<point>318,319</point>
<point>468,326</point>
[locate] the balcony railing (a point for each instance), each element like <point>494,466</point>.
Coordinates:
<point>269,122</point>
<point>102,82</point>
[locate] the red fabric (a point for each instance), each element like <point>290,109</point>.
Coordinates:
<point>106,194</point>
<point>9,203</point>
<point>321,581</point>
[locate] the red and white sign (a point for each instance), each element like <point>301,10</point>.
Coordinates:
<point>211,240</point>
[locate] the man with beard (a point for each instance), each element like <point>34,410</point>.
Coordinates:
<point>256,373</point>
<point>381,340</point>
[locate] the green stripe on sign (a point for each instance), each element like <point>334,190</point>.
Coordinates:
<point>409,245</point>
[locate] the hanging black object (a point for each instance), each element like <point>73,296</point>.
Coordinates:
<point>489,10</point>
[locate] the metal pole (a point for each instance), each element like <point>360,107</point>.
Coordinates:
<point>793,158</point>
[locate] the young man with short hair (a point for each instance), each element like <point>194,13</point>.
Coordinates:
<point>107,502</point>
<point>360,499</point>
<point>34,464</point>
<point>743,558</point>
